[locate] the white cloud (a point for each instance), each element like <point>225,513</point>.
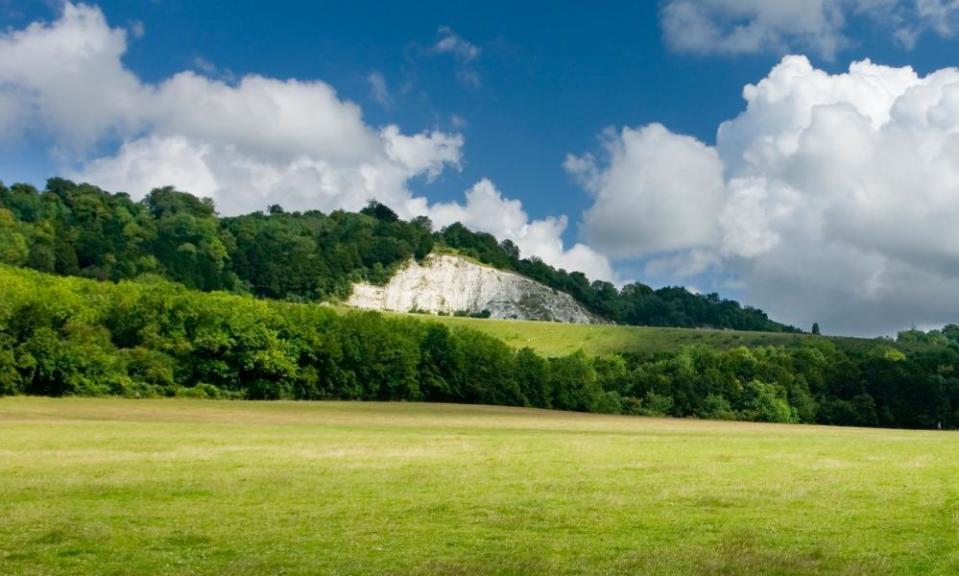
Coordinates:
<point>426,153</point>
<point>487,210</point>
<point>652,192</point>
<point>205,66</point>
<point>273,118</point>
<point>818,26</point>
<point>750,26</point>
<point>379,91</point>
<point>838,203</point>
<point>744,219</point>
<point>137,28</point>
<point>210,70</point>
<point>450,42</point>
<point>941,15</point>
<point>682,265</point>
<point>147,163</point>
<point>241,182</point>
<point>12,115</point>
<point>465,52</point>
<point>266,141</point>
<point>68,78</point>
<point>256,142</point>
<point>245,144</point>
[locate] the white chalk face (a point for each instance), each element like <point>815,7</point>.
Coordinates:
<point>450,284</point>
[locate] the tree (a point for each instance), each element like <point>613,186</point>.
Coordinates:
<point>441,364</point>
<point>13,246</point>
<point>531,375</point>
<point>423,223</point>
<point>510,249</point>
<point>815,328</point>
<point>379,211</point>
<point>573,383</point>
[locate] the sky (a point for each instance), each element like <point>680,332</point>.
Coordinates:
<point>801,156</point>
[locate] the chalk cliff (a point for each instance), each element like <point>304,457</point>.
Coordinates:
<point>445,283</point>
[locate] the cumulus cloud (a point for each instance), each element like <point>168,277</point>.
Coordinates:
<point>67,79</point>
<point>425,153</point>
<point>246,144</point>
<point>651,192</point>
<point>818,26</point>
<point>838,197</point>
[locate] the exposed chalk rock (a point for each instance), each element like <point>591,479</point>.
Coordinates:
<point>450,284</point>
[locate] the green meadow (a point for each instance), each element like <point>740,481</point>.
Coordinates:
<point>556,339</point>
<point>111,486</point>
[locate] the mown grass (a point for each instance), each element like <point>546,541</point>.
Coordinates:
<point>110,486</point>
<point>555,339</point>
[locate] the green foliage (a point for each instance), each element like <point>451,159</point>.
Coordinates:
<point>573,382</point>
<point>717,407</point>
<point>765,402</point>
<point>80,230</point>
<point>151,337</point>
<point>948,336</point>
<point>557,339</point>
<point>72,229</point>
<point>651,404</point>
<point>531,375</point>
<point>13,244</point>
<point>72,336</point>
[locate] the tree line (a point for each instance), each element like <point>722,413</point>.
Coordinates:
<point>151,337</point>
<point>81,230</point>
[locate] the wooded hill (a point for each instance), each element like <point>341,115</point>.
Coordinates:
<point>81,230</point>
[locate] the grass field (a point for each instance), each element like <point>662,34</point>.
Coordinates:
<point>110,486</point>
<point>555,339</point>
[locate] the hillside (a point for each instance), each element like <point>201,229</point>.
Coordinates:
<point>449,285</point>
<point>81,230</point>
<point>553,339</point>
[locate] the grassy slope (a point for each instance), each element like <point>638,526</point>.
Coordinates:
<point>554,339</point>
<point>112,486</point>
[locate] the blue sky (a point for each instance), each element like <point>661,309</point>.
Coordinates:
<point>526,87</point>
<point>549,81</point>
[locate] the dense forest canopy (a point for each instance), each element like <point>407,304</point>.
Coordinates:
<point>80,230</point>
<point>152,337</point>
